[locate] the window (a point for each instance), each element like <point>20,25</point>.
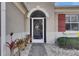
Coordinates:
<point>72,22</point>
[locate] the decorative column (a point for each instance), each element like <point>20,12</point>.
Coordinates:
<point>3,28</point>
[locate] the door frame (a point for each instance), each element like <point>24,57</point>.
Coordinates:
<point>36,40</point>
<point>44,28</point>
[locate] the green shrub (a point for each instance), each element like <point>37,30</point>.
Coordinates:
<point>68,42</point>
<point>61,41</point>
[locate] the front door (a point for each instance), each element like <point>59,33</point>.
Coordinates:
<point>37,30</point>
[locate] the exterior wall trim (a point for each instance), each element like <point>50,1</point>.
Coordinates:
<point>37,8</point>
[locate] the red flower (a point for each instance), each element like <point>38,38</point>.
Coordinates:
<point>11,45</point>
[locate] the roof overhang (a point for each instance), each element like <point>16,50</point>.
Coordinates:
<point>21,7</point>
<point>67,9</point>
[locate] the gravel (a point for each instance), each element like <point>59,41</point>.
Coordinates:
<point>53,50</point>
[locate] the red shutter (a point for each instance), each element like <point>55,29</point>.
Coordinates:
<point>61,22</point>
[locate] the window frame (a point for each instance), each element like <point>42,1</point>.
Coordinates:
<point>70,22</point>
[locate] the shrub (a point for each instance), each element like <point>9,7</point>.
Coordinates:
<point>68,42</point>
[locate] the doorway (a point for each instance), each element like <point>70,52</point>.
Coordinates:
<point>38,27</point>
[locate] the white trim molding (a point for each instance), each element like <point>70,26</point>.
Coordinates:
<point>37,8</point>
<point>36,40</point>
<point>20,7</point>
<point>3,28</point>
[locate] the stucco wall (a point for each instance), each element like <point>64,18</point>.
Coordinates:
<point>50,21</point>
<point>14,19</point>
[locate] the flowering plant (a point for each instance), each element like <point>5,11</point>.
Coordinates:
<point>11,45</point>
<point>19,45</point>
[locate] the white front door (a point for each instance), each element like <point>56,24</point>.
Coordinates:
<point>37,30</point>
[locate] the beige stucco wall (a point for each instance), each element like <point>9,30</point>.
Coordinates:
<point>14,19</point>
<point>50,21</point>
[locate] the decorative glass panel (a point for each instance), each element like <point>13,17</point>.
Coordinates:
<point>37,29</point>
